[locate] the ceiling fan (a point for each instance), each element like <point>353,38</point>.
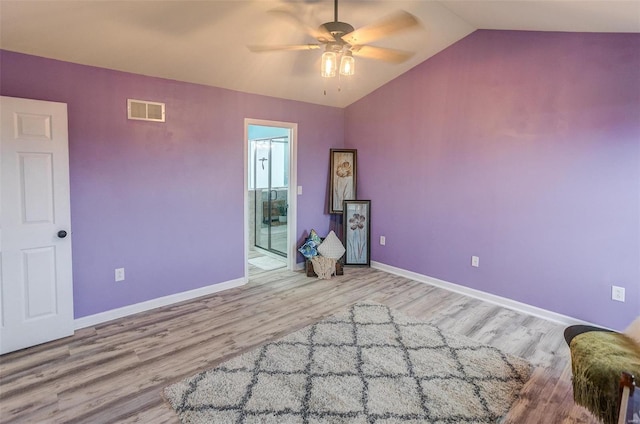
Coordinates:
<point>342,41</point>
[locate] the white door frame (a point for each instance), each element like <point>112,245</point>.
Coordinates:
<point>291,196</point>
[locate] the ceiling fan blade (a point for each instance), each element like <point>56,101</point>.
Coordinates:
<point>388,25</point>
<point>381,53</point>
<point>293,47</point>
<point>321,34</point>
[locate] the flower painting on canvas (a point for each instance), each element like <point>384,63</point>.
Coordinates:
<point>343,178</point>
<point>357,228</point>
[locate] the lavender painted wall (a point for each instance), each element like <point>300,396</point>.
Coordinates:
<point>522,148</point>
<point>164,201</point>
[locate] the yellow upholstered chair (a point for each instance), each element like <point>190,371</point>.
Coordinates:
<point>599,360</point>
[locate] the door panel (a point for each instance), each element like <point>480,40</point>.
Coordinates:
<point>37,187</point>
<point>36,293</point>
<point>39,282</point>
<point>29,126</point>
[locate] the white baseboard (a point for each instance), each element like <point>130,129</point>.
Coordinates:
<point>101,317</point>
<point>136,308</point>
<point>487,297</point>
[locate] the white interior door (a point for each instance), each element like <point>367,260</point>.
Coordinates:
<point>36,296</point>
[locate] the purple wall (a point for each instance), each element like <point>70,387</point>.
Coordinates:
<point>164,201</point>
<point>522,148</point>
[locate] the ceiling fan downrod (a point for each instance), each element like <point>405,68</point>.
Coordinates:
<point>337,29</point>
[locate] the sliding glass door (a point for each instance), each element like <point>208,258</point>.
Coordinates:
<point>269,179</point>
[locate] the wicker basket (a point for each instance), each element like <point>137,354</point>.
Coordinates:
<point>311,273</point>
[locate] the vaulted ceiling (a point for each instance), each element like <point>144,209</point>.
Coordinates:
<point>205,42</point>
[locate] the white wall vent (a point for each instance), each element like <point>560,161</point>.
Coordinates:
<point>145,111</point>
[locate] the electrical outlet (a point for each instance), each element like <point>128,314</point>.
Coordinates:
<point>383,240</point>
<point>617,293</point>
<point>119,274</point>
<point>475,261</point>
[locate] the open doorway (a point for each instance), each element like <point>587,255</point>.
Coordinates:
<point>270,195</point>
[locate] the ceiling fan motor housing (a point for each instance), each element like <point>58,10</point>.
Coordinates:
<point>338,30</point>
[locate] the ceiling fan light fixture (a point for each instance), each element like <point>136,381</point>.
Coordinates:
<point>340,40</point>
<point>347,64</point>
<point>329,64</point>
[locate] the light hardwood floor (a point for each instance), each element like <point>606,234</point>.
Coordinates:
<point>115,372</point>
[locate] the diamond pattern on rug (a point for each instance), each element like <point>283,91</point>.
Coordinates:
<point>336,394</point>
<point>289,397</point>
<point>369,364</point>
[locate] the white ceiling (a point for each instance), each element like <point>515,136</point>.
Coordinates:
<point>205,41</point>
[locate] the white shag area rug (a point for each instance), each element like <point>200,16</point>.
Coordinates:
<point>368,364</point>
<point>267,263</point>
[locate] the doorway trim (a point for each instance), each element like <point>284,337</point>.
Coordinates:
<point>292,191</point>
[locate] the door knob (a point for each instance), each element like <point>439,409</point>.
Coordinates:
<point>62,233</point>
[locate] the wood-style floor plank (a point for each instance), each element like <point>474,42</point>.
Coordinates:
<point>115,371</point>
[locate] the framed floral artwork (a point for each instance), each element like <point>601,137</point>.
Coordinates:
<point>343,178</point>
<point>356,217</point>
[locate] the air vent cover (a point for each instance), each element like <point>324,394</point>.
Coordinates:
<point>145,111</point>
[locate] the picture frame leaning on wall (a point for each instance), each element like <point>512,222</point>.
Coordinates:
<point>356,219</point>
<point>343,178</point>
